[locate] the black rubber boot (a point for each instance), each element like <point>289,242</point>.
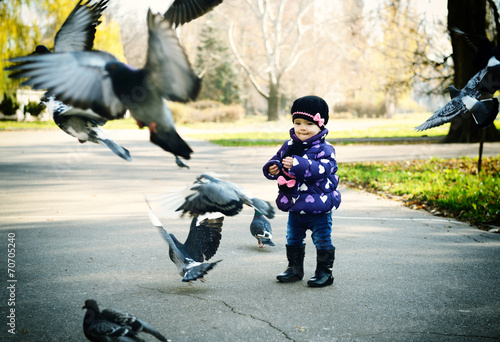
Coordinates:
<point>324,264</point>
<point>295,269</point>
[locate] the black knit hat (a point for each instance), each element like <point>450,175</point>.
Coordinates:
<point>308,108</point>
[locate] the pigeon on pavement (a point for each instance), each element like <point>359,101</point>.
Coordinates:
<point>201,244</point>
<point>110,325</point>
<point>97,80</point>
<point>261,229</point>
<point>83,125</point>
<point>183,11</point>
<point>209,194</point>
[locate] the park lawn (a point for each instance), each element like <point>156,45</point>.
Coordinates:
<point>445,187</point>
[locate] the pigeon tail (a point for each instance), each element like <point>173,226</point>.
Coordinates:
<point>117,149</point>
<point>263,207</point>
<point>198,271</point>
<point>145,327</point>
<point>180,163</point>
<point>171,142</point>
<point>268,242</point>
<point>484,112</point>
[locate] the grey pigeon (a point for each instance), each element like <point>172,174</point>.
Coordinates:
<point>77,34</point>
<point>260,228</point>
<point>109,325</point>
<point>183,11</point>
<point>83,125</point>
<point>209,194</point>
<point>471,97</point>
<point>97,80</point>
<point>456,106</point>
<point>201,244</point>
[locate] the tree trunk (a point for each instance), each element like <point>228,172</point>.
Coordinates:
<point>470,17</point>
<point>273,102</point>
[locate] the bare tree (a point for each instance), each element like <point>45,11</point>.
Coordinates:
<point>281,32</point>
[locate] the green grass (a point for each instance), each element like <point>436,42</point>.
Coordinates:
<point>256,130</point>
<point>447,187</point>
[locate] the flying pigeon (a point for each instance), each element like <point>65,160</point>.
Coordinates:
<point>77,34</point>
<point>201,244</point>
<point>183,11</point>
<point>209,194</point>
<point>484,82</point>
<point>83,125</point>
<point>456,106</point>
<point>110,325</point>
<point>97,80</point>
<point>261,229</point>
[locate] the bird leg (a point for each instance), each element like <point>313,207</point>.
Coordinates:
<point>152,127</point>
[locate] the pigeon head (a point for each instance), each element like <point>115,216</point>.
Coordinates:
<point>91,304</point>
<point>92,311</point>
<point>205,179</point>
<point>41,50</point>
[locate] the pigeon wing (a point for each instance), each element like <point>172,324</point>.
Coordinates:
<point>183,11</point>
<point>444,115</point>
<point>204,238</point>
<point>75,78</point>
<point>78,30</point>
<point>104,330</point>
<point>128,320</point>
<point>86,114</point>
<point>212,197</point>
<point>167,67</point>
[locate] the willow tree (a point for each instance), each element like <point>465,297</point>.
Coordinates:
<point>24,24</point>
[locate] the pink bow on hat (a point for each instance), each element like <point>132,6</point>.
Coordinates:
<point>319,119</point>
<point>289,183</point>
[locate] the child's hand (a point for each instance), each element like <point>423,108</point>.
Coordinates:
<point>274,169</point>
<point>287,162</point>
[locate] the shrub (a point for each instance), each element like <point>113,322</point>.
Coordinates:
<point>206,111</point>
<point>33,108</point>
<point>9,105</point>
<point>360,109</point>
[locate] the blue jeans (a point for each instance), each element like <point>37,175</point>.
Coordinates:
<point>320,226</point>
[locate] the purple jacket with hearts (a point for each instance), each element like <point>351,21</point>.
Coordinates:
<point>311,186</point>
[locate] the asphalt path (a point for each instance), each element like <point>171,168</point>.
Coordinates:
<point>77,216</point>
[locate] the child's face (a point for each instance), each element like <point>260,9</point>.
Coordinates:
<point>305,129</point>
